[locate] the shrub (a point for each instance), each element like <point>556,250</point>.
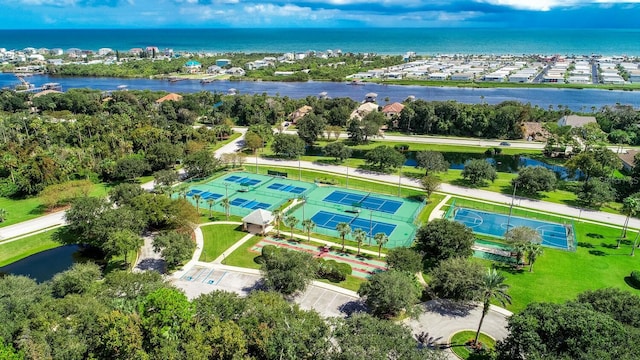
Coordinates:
<point>635,278</point>
<point>402,147</point>
<point>268,250</point>
<point>333,270</point>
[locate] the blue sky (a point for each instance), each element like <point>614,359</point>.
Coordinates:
<point>71,14</point>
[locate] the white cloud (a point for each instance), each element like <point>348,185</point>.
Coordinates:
<point>546,5</point>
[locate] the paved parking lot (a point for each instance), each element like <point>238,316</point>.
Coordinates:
<point>206,278</point>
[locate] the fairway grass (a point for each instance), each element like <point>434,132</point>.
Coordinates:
<point>20,249</point>
<point>218,238</point>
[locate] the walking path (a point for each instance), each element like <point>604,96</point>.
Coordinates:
<point>148,259</point>
<point>437,213</point>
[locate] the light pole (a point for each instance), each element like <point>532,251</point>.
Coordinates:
<point>256,155</point>
<point>515,186</point>
<point>399,181</point>
<point>370,226</point>
<point>347,175</point>
<point>299,169</point>
<point>226,190</point>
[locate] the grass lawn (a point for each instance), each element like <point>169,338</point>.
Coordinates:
<point>218,238</point>
<point>351,283</point>
<point>559,275</point>
<point>20,249</point>
<point>19,210</point>
<point>243,257</point>
<point>434,200</point>
<point>460,338</point>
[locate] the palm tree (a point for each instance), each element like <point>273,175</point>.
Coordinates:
<point>226,204</point>
<point>519,237</point>
<point>277,218</point>
<point>291,222</point>
<point>197,198</point>
<point>533,251</point>
<point>635,242</point>
<point>359,236</point>
<point>381,239</point>
<point>182,194</point>
<point>308,226</point>
<point>630,207</point>
<point>211,203</point>
<point>492,287</point>
<point>344,229</point>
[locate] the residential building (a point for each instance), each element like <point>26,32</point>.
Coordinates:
<point>576,120</point>
<point>295,116</point>
<point>392,110</point>
<point>192,67</point>
<point>169,97</point>
<point>628,159</point>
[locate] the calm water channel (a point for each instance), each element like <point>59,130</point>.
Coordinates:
<point>577,100</point>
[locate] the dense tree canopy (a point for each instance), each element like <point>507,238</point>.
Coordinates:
<point>389,293</point>
<point>442,239</point>
<point>533,179</point>
<point>477,171</point>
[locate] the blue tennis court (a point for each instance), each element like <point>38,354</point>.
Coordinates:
<point>329,220</point>
<point>249,204</point>
<point>481,222</point>
<point>244,181</point>
<point>204,195</point>
<point>364,201</point>
<point>286,188</point>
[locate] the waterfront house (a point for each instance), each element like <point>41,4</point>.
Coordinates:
<point>135,51</point>
<point>363,110</point>
<point>192,67</point>
<point>295,116</point>
<point>169,97</point>
<point>392,110</point>
<point>214,69</point>
<point>104,51</point>
<point>223,62</point>
<point>628,159</point>
<point>576,120</point>
<point>236,71</point>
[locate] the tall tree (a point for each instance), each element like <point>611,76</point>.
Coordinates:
<point>197,198</point>
<point>359,236</point>
<point>278,216</point>
<point>519,238</point>
<point>287,271</point>
<point>343,229</point>
<point>291,222</point>
<point>533,179</point>
<point>381,239</point>
<point>310,127</point>
<point>122,242</point>
<point>430,184</point>
<point>492,287</point>
<point>389,293</point>
<point>175,247</point>
<point>442,239</point>
<point>431,161</point>
<point>384,158</point>
<point>478,170</point>
<point>288,146</point>
<point>533,251</point>
<point>308,226</point>
<point>226,204</point>
<point>630,207</point>
<point>211,203</point>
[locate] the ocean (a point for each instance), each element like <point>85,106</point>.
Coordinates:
<point>423,41</point>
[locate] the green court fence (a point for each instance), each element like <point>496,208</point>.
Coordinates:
<point>449,214</point>
<point>502,209</point>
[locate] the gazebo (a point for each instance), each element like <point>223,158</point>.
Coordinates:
<point>257,221</point>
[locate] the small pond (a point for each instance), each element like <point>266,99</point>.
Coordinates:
<point>503,163</point>
<point>44,265</point>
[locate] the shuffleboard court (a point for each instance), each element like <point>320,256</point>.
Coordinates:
<point>487,223</point>
<point>368,201</point>
<point>329,220</point>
